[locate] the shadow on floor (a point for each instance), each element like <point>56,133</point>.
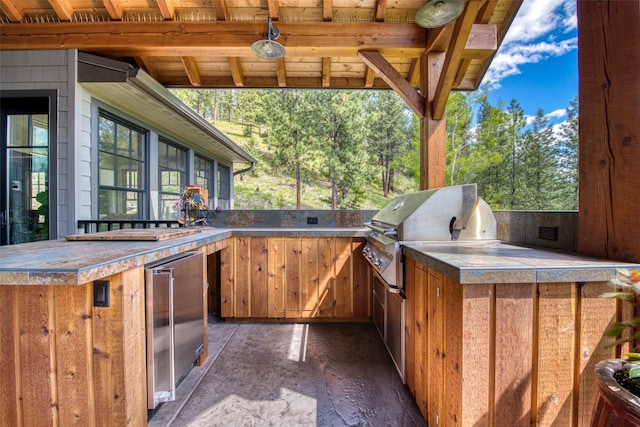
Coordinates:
<point>272,374</point>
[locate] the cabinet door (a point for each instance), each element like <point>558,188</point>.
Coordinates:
<point>326,276</point>
<point>275,277</point>
<point>258,280</point>
<point>292,305</point>
<point>309,277</point>
<point>420,341</point>
<point>409,293</point>
<point>435,346</point>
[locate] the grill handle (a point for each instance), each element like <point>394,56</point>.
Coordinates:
<point>384,231</point>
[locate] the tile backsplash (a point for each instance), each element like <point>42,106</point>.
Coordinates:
<point>546,229</point>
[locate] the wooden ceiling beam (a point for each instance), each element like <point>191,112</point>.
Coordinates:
<point>114,9</point>
<point>393,78</point>
<point>236,71</point>
<point>274,9</point>
<point>220,7</point>
<point>12,9</point>
<point>191,68</point>
<point>414,72</point>
<point>369,77</point>
<point>168,38</point>
<point>482,41</point>
<point>144,63</point>
<point>462,28</point>
<point>464,65</point>
<point>272,82</point>
<point>381,10</point>
<point>63,9</point>
<point>327,10</point>
<point>167,8</point>
<point>326,72</point>
<point>281,72</point>
<point>487,11</point>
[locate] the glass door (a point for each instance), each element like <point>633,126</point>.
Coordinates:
<point>24,205</point>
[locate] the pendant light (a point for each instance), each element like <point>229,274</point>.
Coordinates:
<point>437,13</point>
<point>269,48</point>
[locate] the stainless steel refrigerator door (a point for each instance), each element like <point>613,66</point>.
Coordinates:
<point>395,330</point>
<point>160,336</point>
<point>188,311</point>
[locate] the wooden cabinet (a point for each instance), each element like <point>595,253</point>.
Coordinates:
<point>295,277</point>
<point>504,354</point>
<point>64,361</point>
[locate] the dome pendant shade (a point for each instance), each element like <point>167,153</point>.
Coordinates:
<point>269,48</point>
<point>437,13</point>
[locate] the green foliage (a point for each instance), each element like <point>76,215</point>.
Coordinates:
<point>389,134</point>
<point>356,149</point>
<point>626,331</point>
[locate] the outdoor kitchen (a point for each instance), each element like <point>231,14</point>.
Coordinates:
<point>433,310</point>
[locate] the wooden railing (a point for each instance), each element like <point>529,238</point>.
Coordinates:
<point>95,225</point>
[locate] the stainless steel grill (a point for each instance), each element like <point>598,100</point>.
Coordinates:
<point>444,214</point>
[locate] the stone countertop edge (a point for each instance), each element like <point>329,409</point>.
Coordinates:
<point>62,262</point>
<point>495,262</point>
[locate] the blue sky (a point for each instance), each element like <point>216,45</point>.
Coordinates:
<point>537,63</point>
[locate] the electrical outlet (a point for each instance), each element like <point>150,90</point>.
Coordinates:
<point>101,297</point>
<point>548,233</point>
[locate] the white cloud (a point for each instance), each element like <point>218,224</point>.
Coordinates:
<point>553,118</point>
<point>535,35</point>
<point>557,114</point>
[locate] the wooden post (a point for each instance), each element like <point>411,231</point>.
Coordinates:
<point>609,157</point>
<point>432,132</point>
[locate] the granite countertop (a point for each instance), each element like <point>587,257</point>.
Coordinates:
<point>63,262</point>
<point>483,262</point>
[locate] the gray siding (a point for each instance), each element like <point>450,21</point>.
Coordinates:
<point>50,70</point>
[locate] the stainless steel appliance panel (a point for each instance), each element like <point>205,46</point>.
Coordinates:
<point>389,318</point>
<point>395,329</point>
<point>175,325</point>
<point>160,346</point>
<point>379,306</point>
<point>188,312</point>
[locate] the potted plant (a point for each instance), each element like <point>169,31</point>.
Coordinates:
<point>188,207</point>
<point>618,400</point>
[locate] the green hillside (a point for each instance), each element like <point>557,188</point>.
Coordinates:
<point>266,188</point>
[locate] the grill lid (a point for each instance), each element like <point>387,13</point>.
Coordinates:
<point>437,214</point>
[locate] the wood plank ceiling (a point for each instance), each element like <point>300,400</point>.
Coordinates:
<point>353,44</point>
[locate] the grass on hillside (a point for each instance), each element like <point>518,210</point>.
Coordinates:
<point>266,188</point>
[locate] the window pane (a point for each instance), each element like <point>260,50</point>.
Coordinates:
<point>106,134</point>
<point>224,189</point>
<point>107,167</point>
<point>172,177</point>
<point>121,165</point>
<point>167,207</point>
<point>18,130</point>
<point>40,136</point>
<point>137,146</point>
<point>116,204</point>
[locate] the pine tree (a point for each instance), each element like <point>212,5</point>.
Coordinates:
<point>290,135</point>
<point>341,132</point>
<point>389,133</point>
<point>568,158</point>
<point>539,186</point>
<point>459,137</point>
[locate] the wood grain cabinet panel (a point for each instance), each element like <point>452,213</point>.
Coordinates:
<point>66,362</point>
<point>295,278</point>
<point>504,354</point>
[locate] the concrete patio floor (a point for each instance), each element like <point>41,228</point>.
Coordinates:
<point>272,374</point>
